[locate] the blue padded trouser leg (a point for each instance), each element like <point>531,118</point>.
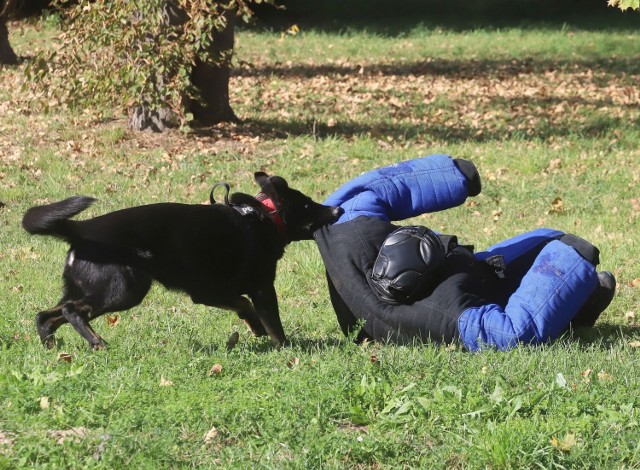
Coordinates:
<point>515,247</point>
<point>558,283</point>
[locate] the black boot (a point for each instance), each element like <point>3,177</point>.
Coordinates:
<point>597,303</point>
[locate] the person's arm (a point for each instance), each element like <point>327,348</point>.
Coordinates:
<point>408,189</point>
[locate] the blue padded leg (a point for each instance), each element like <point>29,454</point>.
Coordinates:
<point>402,190</point>
<point>519,245</point>
<point>551,293</point>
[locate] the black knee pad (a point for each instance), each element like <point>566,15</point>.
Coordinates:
<point>583,247</point>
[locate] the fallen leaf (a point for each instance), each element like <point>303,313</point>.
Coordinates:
<point>554,164</point>
<point>635,344</point>
<point>635,282</point>
<point>566,444</point>
<point>5,439</point>
<point>215,369</point>
<point>165,382</point>
<point>291,363</point>
<point>74,434</point>
<point>113,320</point>
<point>630,316</point>
<point>211,435</point>
<point>44,403</point>
<point>605,376</point>
<point>64,357</point>
<point>557,206</point>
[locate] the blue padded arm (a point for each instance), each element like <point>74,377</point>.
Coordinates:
<point>403,190</point>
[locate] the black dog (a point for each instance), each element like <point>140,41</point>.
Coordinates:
<point>215,253</point>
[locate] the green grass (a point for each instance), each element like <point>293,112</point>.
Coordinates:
<point>544,113</point>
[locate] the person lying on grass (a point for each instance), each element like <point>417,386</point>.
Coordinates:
<point>398,284</point>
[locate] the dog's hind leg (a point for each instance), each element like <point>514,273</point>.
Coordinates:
<point>47,322</point>
<point>78,313</point>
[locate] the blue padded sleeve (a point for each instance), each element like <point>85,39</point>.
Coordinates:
<point>402,190</point>
<point>515,247</point>
<point>550,294</point>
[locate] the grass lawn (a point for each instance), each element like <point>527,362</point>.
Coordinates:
<point>551,117</point>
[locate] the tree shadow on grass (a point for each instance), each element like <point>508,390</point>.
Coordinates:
<point>453,68</point>
<point>272,129</point>
<point>539,105</point>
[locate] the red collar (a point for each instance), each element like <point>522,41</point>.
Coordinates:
<point>273,213</point>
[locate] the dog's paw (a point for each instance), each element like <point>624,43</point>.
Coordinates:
<point>49,342</point>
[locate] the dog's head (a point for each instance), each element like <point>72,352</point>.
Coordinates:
<point>300,215</point>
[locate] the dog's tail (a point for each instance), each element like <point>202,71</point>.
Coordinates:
<point>52,219</point>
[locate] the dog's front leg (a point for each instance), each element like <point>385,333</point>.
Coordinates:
<point>245,310</point>
<point>265,302</point>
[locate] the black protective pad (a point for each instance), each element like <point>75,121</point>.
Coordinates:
<point>408,264</point>
<point>583,247</point>
<point>470,172</point>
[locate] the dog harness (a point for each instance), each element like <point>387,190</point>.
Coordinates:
<point>245,209</point>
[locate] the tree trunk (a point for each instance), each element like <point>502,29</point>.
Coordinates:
<point>7,56</point>
<point>212,81</point>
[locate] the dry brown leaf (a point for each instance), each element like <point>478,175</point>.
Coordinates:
<point>64,357</point>
<point>44,403</point>
<point>554,165</point>
<point>6,439</point>
<point>635,282</point>
<point>293,362</point>
<point>215,369</point>
<point>557,206</point>
<point>165,382</point>
<point>605,376</point>
<point>113,320</point>
<point>74,434</point>
<point>566,444</point>
<point>634,344</point>
<point>211,435</point>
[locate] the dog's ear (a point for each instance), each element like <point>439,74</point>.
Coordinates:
<point>272,186</point>
<point>261,178</point>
